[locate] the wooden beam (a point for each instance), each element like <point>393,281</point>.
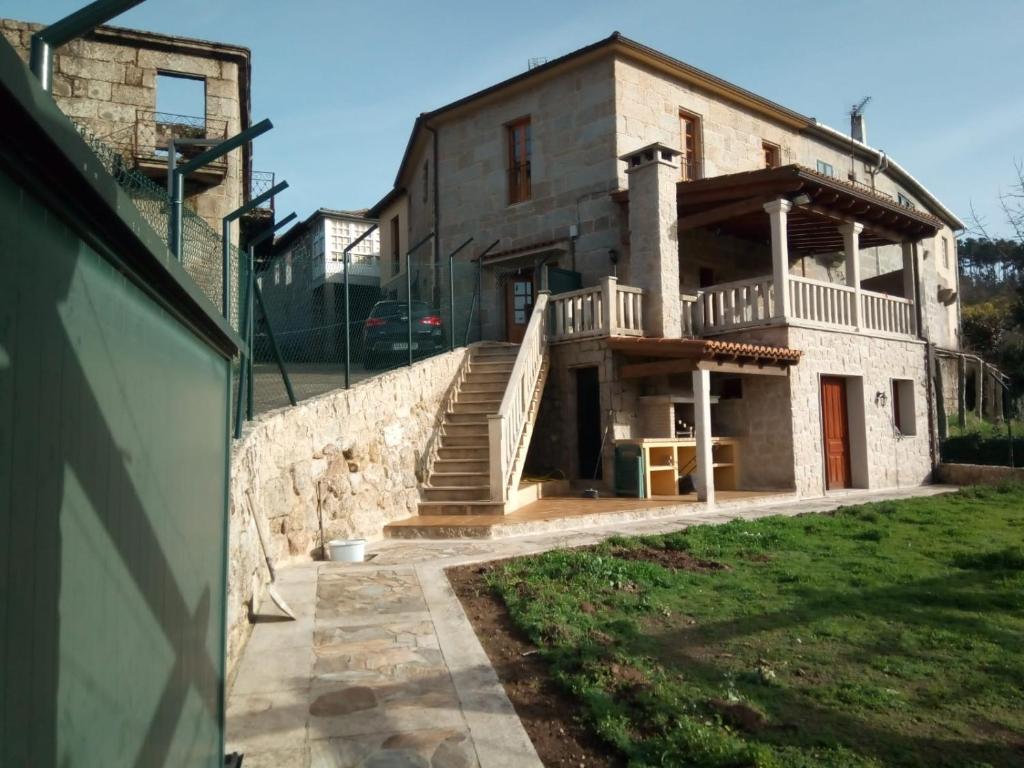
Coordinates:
<point>659,368</point>
<point>728,211</point>
<point>754,369</point>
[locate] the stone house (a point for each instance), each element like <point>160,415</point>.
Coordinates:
<point>736,293</point>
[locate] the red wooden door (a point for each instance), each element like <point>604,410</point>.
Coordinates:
<point>836,428</point>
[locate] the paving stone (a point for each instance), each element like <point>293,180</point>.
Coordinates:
<point>433,748</point>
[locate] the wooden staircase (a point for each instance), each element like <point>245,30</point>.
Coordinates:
<point>458,480</point>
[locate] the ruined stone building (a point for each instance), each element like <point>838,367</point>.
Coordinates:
<point>132,92</point>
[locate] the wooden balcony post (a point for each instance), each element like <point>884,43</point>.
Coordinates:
<point>702,423</point>
<point>910,280</point>
<point>609,309</point>
<point>851,245</point>
<point>777,214</point>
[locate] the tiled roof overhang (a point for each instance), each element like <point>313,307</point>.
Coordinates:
<point>680,355</point>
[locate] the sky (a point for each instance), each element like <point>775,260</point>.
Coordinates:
<point>344,81</point>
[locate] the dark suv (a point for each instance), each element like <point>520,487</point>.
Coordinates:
<point>386,332</point>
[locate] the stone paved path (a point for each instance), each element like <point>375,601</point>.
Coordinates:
<point>382,668</point>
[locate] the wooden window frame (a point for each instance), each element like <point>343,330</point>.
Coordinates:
<point>691,168</point>
<point>519,174</point>
<point>775,150</point>
<point>903,407</point>
<point>821,165</point>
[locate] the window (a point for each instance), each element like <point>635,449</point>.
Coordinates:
<point>179,95</point>
<point>772,156</point>
<point>396,258</point>
<point>903,407</point>
<point>277,273</point>
<point>826,168</point>
<point>945,253</point>
<point>288,269</point>
<point>690,142</point>
<point>904,200</point>
<point>520,147</point>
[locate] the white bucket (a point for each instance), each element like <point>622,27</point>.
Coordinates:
<point>347,550</point>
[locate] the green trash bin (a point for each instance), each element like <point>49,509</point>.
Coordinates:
<point>629,471</point>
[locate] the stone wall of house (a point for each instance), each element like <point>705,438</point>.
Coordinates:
<point>348,460</point>
<point>977,474</point>
<point>891,461</point>
<point>762,418</point>
<point>104,79</point>
<point>647,107</point>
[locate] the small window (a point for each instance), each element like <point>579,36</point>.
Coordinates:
<point>945,253</point>
<point>826,168</point>
<point>690,159</point>
<point>426,180</point>
<point>520,149</point>
<point>903,407</point>
<point>277,273</point>
<point>288,269</point>
<point>904,200</point>
<point>772,155</point>
<point>180,96</point>
<point>396,258</point>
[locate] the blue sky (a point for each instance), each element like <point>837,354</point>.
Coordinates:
<point>343,81</point>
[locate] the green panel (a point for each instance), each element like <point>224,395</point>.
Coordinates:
<point>113,470</point>
<point>563,280</point>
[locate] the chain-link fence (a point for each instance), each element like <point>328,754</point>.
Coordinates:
<point>333,329</point>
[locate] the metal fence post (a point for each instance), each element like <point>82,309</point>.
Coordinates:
<point>274,347</point>
<point>408,301</point>
<point>348,314</point>
<point>451,292</point>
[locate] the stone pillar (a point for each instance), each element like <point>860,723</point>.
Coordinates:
<point>777,214</point>
<point>608,299</point>
<point>910,277</point>
<point>702,432</point>
<point>851,245</point>
<point>653,174</point>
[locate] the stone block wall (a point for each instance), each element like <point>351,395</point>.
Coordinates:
<point>348,459</point>
<point>102,80</point>
<point>977,474</point>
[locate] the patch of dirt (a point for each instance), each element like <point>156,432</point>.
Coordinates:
<point>672,559</point>
<point>544,709</point>
<point>738,715</point>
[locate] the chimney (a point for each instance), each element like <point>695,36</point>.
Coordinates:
<point>858,128</point>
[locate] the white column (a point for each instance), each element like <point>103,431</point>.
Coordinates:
<point>702,431</point>
<point>851,245</point>
<point>909,292</point>
<point>777,210</point>
<point>609,299</point>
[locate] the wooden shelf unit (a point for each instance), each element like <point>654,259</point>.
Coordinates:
<point>668,459</point>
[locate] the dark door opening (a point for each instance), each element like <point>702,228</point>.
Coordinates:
<point>588,423</point>
<point>518,305</point>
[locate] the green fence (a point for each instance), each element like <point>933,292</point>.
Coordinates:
<point>332,332</point>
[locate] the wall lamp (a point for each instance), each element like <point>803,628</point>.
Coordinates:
<point>801,199</point>
<point>881,399</point>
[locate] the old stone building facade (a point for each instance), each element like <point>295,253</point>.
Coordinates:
<point>109,83</point>
<point>805,280</point>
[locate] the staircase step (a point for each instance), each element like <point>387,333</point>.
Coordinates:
<point>464,442</point>
<point>456,493</point>
<point>448,452</point>
<point>491,405</point>
<point>483,388</point>
<point>461,416</point>
<point>473,464</point>
<point>487,366</point>
<point>430,508</point>
<point>493,396</point>
<point>458,479</point>
<point>494,350</point>
<point>466,430</point>
<point>486,378</point>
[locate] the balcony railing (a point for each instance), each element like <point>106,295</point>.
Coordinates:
<point>608,309</point>
<point>260,182</point>
<point>148,139</point>
<point>819,302</point>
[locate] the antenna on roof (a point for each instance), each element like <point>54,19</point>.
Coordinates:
<point>537,61</point>
<point>858,128</point>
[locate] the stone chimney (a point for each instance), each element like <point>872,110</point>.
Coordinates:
<point>653,173</point>
<point>858,127</point>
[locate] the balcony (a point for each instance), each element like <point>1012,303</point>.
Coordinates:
<point>146,144</point>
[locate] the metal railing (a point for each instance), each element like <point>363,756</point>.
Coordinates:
<point>260,182</point>
<point>507,429</point>
<point>148,139</point>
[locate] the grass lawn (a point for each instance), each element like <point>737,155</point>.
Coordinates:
<point>885,634</point>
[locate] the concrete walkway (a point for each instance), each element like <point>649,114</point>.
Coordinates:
<point>382,667</point>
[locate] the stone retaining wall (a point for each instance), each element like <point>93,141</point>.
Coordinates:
<point>348,458</point>
<point>976,474</point>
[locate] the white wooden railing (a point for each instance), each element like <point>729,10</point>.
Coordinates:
<point>690,306</point>
<point>507,428</point>
<point>608,309</point>
<point>817,302</point>
<point>887,314</point>
<point>735,305</point>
